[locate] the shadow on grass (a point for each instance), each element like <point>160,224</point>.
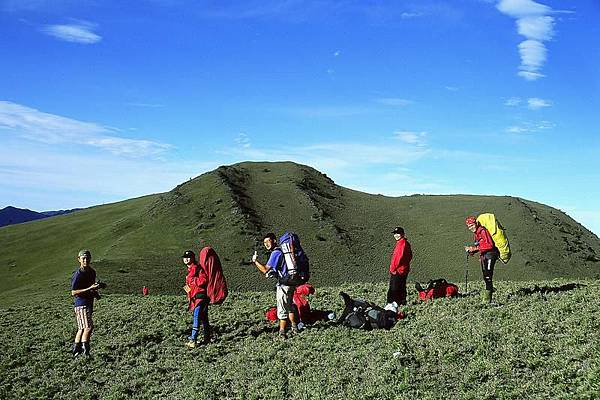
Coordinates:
<point>547,289</point>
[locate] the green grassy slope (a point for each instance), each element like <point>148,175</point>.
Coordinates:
<point>536,346</point>
<point>345,233</point>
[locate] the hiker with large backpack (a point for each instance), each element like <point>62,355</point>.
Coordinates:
<point>399,269</point>
<point>488,254</point>
<point>204,284</point>
<point>286,265</point>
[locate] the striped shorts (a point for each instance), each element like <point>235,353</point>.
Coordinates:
<point>83,314</point>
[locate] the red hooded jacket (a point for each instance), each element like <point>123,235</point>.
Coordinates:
<point>197,280</point>
<point>483,237</point>
<point>400,264</point>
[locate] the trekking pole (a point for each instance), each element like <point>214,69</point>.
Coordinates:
<point>467,273</point>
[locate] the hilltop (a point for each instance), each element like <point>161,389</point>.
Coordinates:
<point>346,233</point>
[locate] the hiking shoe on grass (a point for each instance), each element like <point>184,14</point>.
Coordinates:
<point>280,336</point>
<point>76,349</point>
<point>191,344</point>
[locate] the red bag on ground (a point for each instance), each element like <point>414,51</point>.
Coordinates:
<point>271,314</point>
<point>437,288</point>
<point>217,285</point>
<point>301,302</point>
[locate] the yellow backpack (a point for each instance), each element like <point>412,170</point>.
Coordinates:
<point>496,230</point>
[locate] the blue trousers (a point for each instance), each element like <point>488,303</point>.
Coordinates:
<point>200,317</point>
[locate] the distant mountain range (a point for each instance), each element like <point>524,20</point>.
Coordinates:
<point>347,234</point>
<point>12,215</point>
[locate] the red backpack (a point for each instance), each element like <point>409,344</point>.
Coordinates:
<point>217,285</point>
<point>437,288</point>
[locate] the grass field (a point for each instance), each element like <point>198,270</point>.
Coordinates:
<point>529,346</point>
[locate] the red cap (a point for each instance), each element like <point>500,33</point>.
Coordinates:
<point>470,220</point>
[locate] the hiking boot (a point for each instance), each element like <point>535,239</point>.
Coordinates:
<point>280,336</point>
<point>76,349</point>
<point>294,331</point>
<point>191,344</point>
<point>486,296</point>
<point>86,349</point>
<point>208,336</point>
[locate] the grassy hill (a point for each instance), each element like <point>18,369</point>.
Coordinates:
<point>530,346</point>
<point>346,234</point>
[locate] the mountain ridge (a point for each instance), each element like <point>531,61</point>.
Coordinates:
<point>346,233</point>
<point>11,215</point>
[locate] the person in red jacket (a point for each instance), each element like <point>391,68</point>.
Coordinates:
<point>195,286</point>
<point>488,254</point>
<point>399,269</point>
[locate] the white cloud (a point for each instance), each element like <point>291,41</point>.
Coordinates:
<point>452,88</point>
<point>393,101</point>
<point>51,129</point>
<point>522,8</point>
<point>533,55</point>
<point>530,127</point>
<point>512,101</point>
<point>242,140</point>
<point>535,103</point>
<point>415,138</point>
<point>56,178</point>
<point>537,26</point>
<point>407,15</point>
<point>336,156</point>
<point>81,32</point>
<point>337,53</point>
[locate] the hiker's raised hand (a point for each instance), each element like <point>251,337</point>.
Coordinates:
<point>254,256</point>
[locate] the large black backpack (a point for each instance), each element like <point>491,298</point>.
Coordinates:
<point>361,314</point>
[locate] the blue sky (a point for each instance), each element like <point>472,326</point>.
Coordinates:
<point>103,100</point>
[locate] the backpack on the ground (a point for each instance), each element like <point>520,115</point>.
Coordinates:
<point>298,271</point>
<point>361,314</point>
<point>436,288</point>
<point>497,231</point>
<point>217,285</point>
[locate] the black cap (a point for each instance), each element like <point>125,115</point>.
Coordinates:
<point>398,230</point>
<point>84,253</point>
<point>188,254</point>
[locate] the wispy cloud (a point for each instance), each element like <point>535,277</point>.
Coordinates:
<point>408,15</point>
<point>80,32</point>
<point>535,23</point>
<point>42,127</point>
<point>336,155</point>
<point>56,178</point>
<point>242,140</point>
<point>535,103</point>
<point>530,127</point>
<point>512,101</point>
<point>414,138</point>
<point>393,101</point>
<point>452,88</point>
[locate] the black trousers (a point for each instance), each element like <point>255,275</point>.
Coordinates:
<point>488,260</point>
<point>397,289</point>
